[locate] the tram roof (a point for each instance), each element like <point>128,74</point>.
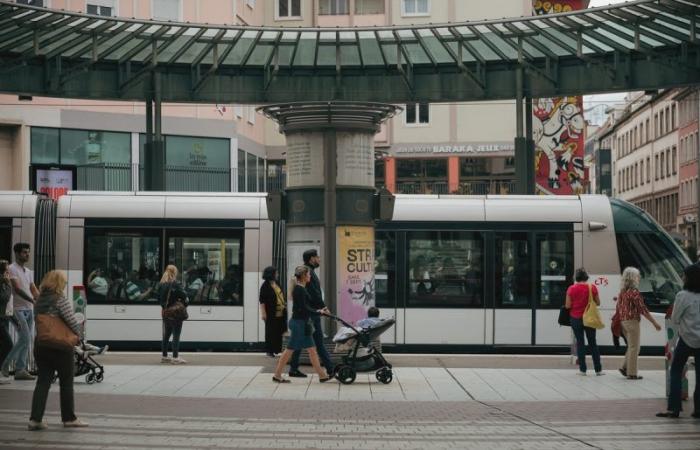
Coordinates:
<point>644,44</point>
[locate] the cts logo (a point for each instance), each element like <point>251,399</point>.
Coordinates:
<point>601,281</point>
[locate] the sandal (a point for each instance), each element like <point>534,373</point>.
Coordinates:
<point>668,414</point>
<point>280,380</point>
<point>635,377</point>
<point>323,380</point>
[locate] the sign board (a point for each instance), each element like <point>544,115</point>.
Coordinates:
<point>54,182</point>
<point>470,148</point>
<point>304,159</point>
<point>355,272</point>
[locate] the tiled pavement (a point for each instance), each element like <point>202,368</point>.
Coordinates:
<point>153,406</point>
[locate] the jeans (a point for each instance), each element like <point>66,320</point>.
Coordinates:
<point>5,338</point>
<point>680,357</point>
<point>48,362</point>
<point>320,348</point>
<point>579,330</point>
<point>174,328</point>
<point>20,352</point>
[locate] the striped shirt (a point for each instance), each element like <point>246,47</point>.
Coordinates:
<point>630,305</point>
<point>57,305</point>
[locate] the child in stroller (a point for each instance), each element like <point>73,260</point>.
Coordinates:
<point>85,364</point>
<point>363,355</point>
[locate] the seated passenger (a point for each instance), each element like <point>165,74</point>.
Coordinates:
<point>97,283</point>
<point>371,320</point>
<point>117,289</point>
<point>133,288</point>
<point>193,282</point>
<point>230,286</point>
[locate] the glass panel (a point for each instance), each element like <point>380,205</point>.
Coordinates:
<point>371,54</point>
<point>416,54</point>
<point>333,7</point>
<point>166,10</point>
<point>241,171</point>
<point>197,164</point>
<point>349,56</point>
<point>252,171</point>
<point>424,113</point>
<point>555,267</point>
<point>283,8</point>
<point>296,8</point>
<point>436,168</point>
<point>513,280</point>
<point>211,268</point>
<point>240,50</point>
<point>326,55</point>
<point>81,147</point>
<point>5,242</point>
<point>44,145</point>
<point>121,267</point>
<point>260,55</point>
<point>411,113</point>
<point>306,50</point>
<point>385,269</point>
<point>369,6</point>
<point>445,268</point>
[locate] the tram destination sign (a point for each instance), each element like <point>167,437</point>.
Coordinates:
<point>437,149</point>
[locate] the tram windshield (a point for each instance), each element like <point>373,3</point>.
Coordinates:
<point>643,244</point>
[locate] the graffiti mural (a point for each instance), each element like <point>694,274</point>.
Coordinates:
<point>558,129</point>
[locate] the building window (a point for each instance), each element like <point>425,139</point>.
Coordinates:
<point>415,7</point>
<point>333,7</point>
<point>101,9</point>
<point>250,3</point>
<point>648,169</point>
<point>673,117</point>
<point>251,115</point>
<point>417,114</point>
<point>379,169</point>
<point>656,167</point>
<point>288,9</point>
<point>646,138</point>
<point>656,126</point>
<point>41,3</point>
<point>641,172</point>
<point>166,10</point>
<point>673,160</point>
<point>369,7</point>
<point>662,166</point>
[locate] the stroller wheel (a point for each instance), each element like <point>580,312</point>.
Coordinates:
<point>384,375</point>
<point>90,378</point>
<point>345,374</point>
<point>99,377</point>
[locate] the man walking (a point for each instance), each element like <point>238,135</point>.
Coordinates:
<point>312,261</point>
<point>24,295</point>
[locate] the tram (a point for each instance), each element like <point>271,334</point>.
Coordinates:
<point>458,273</point>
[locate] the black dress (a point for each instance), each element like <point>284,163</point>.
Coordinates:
<point>275,327</point>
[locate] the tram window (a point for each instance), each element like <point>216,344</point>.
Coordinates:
<point>555,260</point>
<point>658,262</point>
<point>121,267</point>
<point>385,269</point>
<point>211,268</point>
<point>445,269</point>
<point>513,278</point>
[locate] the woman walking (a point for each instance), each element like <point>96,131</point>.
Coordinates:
<point>630,307</point>
<point>170,291</point>
<point>576,300</point>
<point>686,319</point>
<point>273,311</point>
<point>6,313</point>
<point>300,328</point>
<point>52,302</point>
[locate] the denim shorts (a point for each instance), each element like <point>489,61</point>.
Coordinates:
<point>297,339</point>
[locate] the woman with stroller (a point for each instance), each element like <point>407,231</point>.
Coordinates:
<point>171,291</point>
<point>576,300</point>
<point>686,319</point>
<point>273,311</point>
<point>52,301</point>
<point>630,307</point>
<point>300,328</point>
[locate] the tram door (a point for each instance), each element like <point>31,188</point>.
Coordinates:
<point>385,281</point>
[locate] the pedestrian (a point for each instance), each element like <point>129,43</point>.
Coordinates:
<point>49,360</point>
<point>312,261</point>
<point>686,319</point>
<point>24,293</point>
<point>577,296</point>
<point>630,307</point>
<point>273,311</point>
<point>6,312</point>
<point>170,291</point>
<point>300,327</point>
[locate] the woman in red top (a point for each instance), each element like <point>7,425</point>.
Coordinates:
<point>576,301</point>
<point>630,307</point>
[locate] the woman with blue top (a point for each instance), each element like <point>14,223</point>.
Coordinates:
<point>300,328</point>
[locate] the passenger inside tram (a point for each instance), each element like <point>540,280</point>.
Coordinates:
<point>230,286</point>
<point>97,283</point>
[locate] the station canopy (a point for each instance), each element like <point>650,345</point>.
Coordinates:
<point>638,45</point>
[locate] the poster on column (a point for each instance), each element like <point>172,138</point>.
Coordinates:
<point>304,159</point>
<point>558,129</point>
<point>355,159</point>
<point>355,272</point>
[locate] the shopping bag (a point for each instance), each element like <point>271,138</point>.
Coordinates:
<point>591,316</point>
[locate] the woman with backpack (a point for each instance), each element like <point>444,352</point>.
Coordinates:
<point>173,301</point>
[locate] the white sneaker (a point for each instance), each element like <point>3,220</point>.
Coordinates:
<point>599,374</point>
<point>36,426</point>
<point>178,361</point>
<point>5,380</point>
<point>165,360</point>
<point>583,374</point>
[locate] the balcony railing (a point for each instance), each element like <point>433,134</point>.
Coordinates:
<point>485,187</point>
<point>417,187</point>
<point>104,177</point>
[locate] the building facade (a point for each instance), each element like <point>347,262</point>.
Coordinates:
<point>688,113</point>
<point>60,144</point>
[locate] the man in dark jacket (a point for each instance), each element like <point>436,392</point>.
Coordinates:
<point>312,261</point>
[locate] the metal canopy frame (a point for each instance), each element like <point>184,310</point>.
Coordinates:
<point>644,44</point>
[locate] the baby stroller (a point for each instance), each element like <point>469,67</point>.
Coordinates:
<point>86,365</point>
<point>362,355</point>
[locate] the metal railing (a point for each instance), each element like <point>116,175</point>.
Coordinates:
<point>418,187</point>
<point>104,177</point>
<point>493,187</point>
<point>197,179</point>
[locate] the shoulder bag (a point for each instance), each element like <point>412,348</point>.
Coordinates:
<point>591,316</point>
<point>175,311</point>
<point>52,332</point>
<point>564,317</point>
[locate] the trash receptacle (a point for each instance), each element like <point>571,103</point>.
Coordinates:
<point>671,342</point>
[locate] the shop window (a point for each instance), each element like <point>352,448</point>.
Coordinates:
<point>474,167</point>
<point>385,269</point>
<point>101,9</point>
<point>369,7</point>
<point>555,267</point>
<point>211,268</point>
<point>513,280</point>
<point>121,267</point>
<point>287,9</point>
<point>417,113</point>
<point>445,269</point>
<point>82,147</point>
<point>241,171</point>
<point>415,7</point>
<point>166,9</point>
<point>332,7</point>
<point>252,173</point>
<point>45,145</point>
<point>379,168</point>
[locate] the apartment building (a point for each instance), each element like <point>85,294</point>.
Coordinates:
<point>688,112</point>
<point>438,148</point>
<point>645,155</point>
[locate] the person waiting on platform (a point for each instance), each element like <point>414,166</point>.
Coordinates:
<point>576,301</point>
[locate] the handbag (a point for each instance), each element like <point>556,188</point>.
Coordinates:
<point>175,311</point>
<point>591,316</point>
<point>52,332</point>
<point>564,317</point>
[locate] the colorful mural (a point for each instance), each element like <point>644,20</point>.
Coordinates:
<point>558,129</point>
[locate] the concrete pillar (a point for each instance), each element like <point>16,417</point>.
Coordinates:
<point>452,174</point>
<point>154,149</point>
<point>390,174</point>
